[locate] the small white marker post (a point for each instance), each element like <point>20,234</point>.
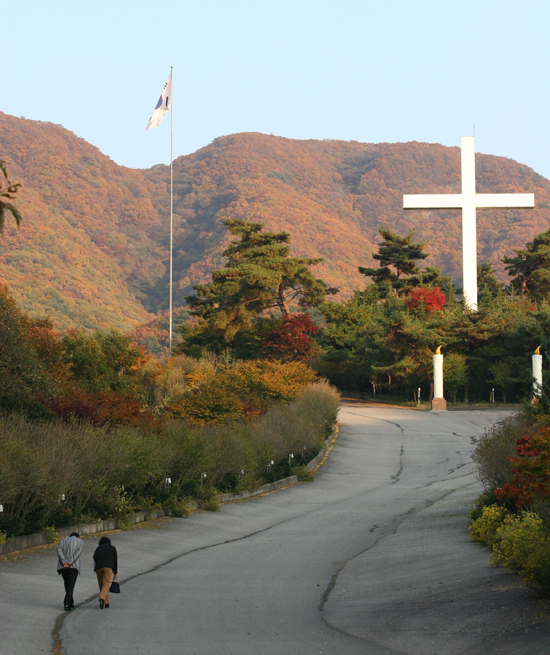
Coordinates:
<point>537,373</point>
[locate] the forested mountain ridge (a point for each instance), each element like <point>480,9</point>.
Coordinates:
<point>82,254</point>
<point>92,248</point>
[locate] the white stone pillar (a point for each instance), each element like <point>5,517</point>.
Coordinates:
<point>438,376</point>
<point>438,401</point>
<point>537,375</point>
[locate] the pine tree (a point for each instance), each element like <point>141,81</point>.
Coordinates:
<point>487,284</point>
<point>398,269</point>
<point>530,268</point>
<point>260,275</point>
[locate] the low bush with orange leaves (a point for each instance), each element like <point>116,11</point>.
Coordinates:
<point>242,390</point>
<point>103,408</point>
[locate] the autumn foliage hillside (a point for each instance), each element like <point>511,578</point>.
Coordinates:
<point>92,248</point>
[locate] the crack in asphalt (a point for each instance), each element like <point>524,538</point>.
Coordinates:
<point>396,525</point>
<point>395,478</point>
<point>375,418</point>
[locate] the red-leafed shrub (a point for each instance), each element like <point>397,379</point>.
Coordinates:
<point>291,339</point>
<point>532,471</point>
<point>102,408</point>
<point>434,299</point>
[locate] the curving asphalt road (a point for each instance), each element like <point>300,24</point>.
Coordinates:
<point>373,558</point>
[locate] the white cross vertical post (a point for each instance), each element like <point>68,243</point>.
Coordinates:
<point>468,201</point>
<point>469,233</point>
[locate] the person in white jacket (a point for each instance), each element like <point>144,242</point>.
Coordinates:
<point>69,551</point>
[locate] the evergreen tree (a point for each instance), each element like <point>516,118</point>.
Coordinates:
<point>487,284</point>
<point>530,268</point>
<point>102,361</point>
<point>29,360</point>
<point>398,269</point>
<point>260,275</point>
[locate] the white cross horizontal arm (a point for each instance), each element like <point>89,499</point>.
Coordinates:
<point>505,200</point>
<point>482,200</point>
<point>433,201</point>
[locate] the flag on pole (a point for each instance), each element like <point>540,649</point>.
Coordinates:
<point>163,105</point>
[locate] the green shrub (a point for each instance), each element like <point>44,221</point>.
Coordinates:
<point>485,499</point>
<point>542,509</point>
<point>59,474</point>
<point>484,529</point>
<point>52,535</point>
<point>522,543</point>
<point>206,497</point>
<point>303,474</point>
<point>176,506</point>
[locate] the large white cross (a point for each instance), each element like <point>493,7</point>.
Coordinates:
<point>468,200</point>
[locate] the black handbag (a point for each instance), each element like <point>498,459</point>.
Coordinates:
<point>114,588</point>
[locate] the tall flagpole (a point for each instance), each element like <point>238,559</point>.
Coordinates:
<point>171,199</point>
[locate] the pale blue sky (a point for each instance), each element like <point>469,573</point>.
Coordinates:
<point>347,69</point>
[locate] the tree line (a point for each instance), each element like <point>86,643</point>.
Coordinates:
<point>266,303</point>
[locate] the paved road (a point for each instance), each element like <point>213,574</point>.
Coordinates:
<point>371,559</point>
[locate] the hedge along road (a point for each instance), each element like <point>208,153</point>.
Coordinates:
<point>372,558</point>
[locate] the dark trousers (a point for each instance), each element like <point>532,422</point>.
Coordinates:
<point>69,578</point>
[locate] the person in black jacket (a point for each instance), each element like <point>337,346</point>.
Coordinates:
<point>106,567</point>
